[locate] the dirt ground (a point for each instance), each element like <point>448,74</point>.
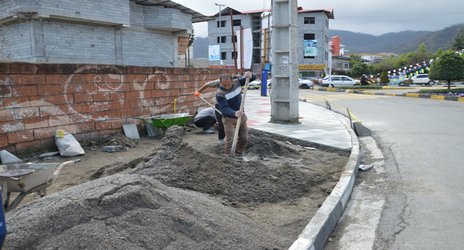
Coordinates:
<point>279,183</point>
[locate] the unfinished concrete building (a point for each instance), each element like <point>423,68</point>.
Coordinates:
<point>118,32</point>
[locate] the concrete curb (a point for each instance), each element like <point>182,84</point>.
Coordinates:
<point>318,230</point>
<point>414,95</point>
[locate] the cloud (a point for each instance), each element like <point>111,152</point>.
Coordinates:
<point>373,17</point>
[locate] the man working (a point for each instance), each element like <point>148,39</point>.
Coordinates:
<point>220,125</point>
<point>229,98</point>
<point>205,119</point>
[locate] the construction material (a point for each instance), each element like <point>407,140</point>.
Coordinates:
<point>68,145</point>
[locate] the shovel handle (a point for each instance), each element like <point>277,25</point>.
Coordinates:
<point>239,120</point>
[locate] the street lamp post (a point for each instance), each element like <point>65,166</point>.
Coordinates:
<point>220,29</point>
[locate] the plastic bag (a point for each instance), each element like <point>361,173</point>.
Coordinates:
<point>68,145</point>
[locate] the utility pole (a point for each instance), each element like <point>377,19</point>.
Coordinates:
<point>284,92</point>
<point>220,30</point>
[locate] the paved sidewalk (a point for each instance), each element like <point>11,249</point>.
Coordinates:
<point>317,124</point>
<point>321,126</point>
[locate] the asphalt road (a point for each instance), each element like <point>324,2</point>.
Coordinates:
<point>418,187</point>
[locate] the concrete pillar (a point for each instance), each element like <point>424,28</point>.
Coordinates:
<point>284,92</point>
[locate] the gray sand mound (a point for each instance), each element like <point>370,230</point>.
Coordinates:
<point>126,211</point>
<point>277,174</point>
<point>143,208</point>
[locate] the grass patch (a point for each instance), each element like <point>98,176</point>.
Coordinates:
<point>441,91</point>
<point>358,87</point>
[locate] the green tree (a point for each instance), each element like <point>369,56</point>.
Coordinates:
<point>358,67</point>
<point>449,67</point>
<point>458,43</point>
<point>384,78</point>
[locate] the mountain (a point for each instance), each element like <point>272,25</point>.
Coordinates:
<point>397,42</point>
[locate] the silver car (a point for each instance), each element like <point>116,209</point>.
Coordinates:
<point>337,81</point>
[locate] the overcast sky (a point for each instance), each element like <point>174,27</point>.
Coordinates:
<point>372,17</point>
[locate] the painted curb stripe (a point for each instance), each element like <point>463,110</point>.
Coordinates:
<point>438,97</point>
<point>412,95</point>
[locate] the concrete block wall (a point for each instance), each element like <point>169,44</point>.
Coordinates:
<point>163,18</point>
<point>9,8</point>
<point>146,49</point>
<point>106,11</point>
<point>10,48</point>
<point>136,15</point>
<point>89,100</point>
<point>78,43</point>
<point>92,32</point>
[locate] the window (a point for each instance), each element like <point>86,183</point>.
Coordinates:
<point>309,20</point>
<point>223,23</point>
<point>234,39</point>
<point>223,55</point>
<point>237,22</point>
<point>345,78</point>
<point>221,39</point>
<point>233,55</point>
<point>309,36</point>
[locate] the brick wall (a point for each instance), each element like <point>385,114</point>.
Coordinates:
<point>89,100</point>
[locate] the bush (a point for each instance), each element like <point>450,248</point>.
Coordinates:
<point>360,87</point>
<point>441,91</point>
<point>384,78</point>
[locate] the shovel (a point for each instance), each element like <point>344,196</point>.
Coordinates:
<point>239,120</point>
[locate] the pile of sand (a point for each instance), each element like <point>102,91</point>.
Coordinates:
<point>175,200</point>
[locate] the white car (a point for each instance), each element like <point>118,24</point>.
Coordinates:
<point>422,79</point>
<point>337,81</point>
<point>305,83</point>
<point>256,84</point>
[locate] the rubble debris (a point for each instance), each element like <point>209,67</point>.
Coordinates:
<point>365,168</point>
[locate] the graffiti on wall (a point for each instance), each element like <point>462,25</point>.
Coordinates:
<point>100,93</point>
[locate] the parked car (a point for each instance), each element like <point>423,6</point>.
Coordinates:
<point>422,79</point>
<point>256,84</point>
<point>337,81</point>
<point>306,83</point>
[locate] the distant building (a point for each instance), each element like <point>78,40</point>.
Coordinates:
<point>340,64</point>
<point>313,40</point>
<point>121,32</point>
<point>220,32</point>
<point>336,46</point>
<point>375,57</point>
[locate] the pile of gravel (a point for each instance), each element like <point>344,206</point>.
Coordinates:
<point>128,211</point>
